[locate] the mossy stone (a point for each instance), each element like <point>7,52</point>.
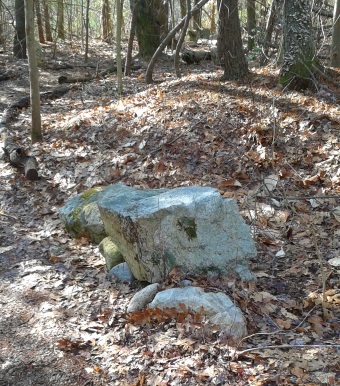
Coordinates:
<point>110,252</point>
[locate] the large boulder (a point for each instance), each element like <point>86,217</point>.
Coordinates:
<point>217,307</point>
<point>191,228</point>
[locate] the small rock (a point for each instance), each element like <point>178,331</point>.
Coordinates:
<point>143,297</point>
<point>121,272</point>
<point>218,307</point>
<point>110,252</point>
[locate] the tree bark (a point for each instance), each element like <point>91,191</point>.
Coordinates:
<point>118,48</point>
<point>229,42</point>
<point>299,56</point>
<point>107,22</point>
<point>19,45</point>
<point>60,20</point>
<point>36,134</point>
<point>127,71</point>
<point>335,59</point>
<point>251,23</point>
<point>87,22</point>
<point>269,31</point>
<point>48,33</point>
<point>181,39</point>
<point>148,27</point>
<point>39,22</point>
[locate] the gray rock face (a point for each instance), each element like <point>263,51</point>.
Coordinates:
<point>191,228</point>
<point>218,308</point>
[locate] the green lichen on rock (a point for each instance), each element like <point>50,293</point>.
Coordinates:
<point>188,224</point>
<point>89,192</point>
<point>81,216</point>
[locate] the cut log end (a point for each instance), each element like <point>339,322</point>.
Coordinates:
<point>31,169</point>
<point>17,157</point>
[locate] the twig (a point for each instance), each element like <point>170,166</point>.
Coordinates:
<point>288,346</point>
<point>325,76</point>
<point>323,273</point>
<point>8,216</point>
<point>292,198</point>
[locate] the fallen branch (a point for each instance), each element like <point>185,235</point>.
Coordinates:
<point>287,346</point>
<point>78,79</point>
<point>81,79</point>
<point>12,110</point>
<point>18,158</point>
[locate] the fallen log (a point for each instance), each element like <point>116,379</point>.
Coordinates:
<point>78,79</point>
<point>6,75</point>
<point>195,56</point>
<point>13,109</point>
<point>81,79</point>
<point>18,158</point>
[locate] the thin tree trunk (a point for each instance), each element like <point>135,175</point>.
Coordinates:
<point>183,8</point>
<point>118,48</point>
<point>181,39</point>
<point>106,20</point>
<point>251,23</point>
<point>212,18</point>
<point>33,72</point>
<point>60,20</point>
<point>87,20</point>
<point>229,42</point>
<point>335,59</point>
<point>39,22</point>
<point>197,20</point>
<point>2,19</point>
<point>48,33</point>
<point>128,61</point>
<point>269,31</point>
<point>19,45</point>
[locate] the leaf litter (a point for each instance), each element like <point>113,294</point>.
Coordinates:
<point>276,153</point>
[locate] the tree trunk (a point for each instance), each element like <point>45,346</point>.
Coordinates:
<point>251,23</point>
<point>183,8</point>
<point>87,22</point>
<point>106,20</point>
<point>60,20</point>
<point>19,46</point>
<point>2,30</point>
<point>48,33</point>
<point>33,72</point>
<point>229,43</point>
<point>148,28</point>
<point>181,39</point>
<point>212,18</point>
<point>269,31</point>
<point>39,22</point>
<point>118,48</point>
<point>298,46</point>
<point>127,71</point>
<point>335,59</point>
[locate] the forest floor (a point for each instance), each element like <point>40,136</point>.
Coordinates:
<point>63,322</point>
